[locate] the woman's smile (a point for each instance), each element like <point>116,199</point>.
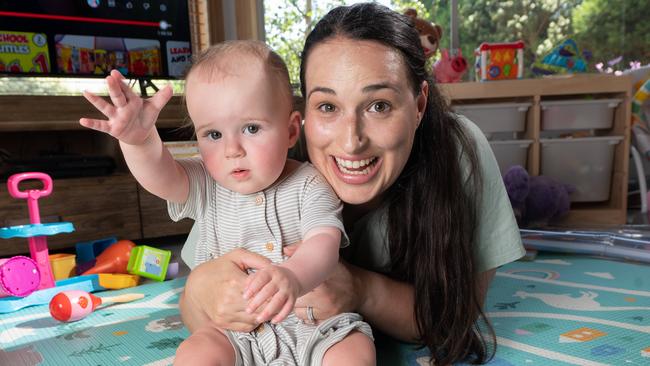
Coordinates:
<point>356,171</point>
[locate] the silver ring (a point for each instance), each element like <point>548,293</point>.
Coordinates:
<point>310,315</point>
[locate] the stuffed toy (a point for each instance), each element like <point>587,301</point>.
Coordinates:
<point>429,33</point>
<point>536,200</point>
<point>449,69</point>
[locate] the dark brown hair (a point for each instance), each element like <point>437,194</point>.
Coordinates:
<point>432,207</point>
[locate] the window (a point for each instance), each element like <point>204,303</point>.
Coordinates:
<point>612,32</point>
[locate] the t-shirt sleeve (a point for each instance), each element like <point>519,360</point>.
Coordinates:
<point>498,239</point>
<point>194,207</point>
<point>321,207</point>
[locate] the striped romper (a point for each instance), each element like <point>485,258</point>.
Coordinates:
<point>263,222</point>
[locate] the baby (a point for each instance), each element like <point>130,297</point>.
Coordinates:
<point>242,193</point>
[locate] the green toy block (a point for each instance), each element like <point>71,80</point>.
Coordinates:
<point>149,262</point>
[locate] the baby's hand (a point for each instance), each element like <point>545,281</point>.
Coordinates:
<point>130,118</point>
<point>275,284</point>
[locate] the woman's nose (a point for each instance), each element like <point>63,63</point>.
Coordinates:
<point>352,135</point>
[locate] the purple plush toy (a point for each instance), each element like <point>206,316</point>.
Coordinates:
<point>536,200</point>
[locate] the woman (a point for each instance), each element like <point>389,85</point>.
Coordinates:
<point>426,210</point>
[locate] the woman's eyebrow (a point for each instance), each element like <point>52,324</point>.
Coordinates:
<point>379,86</point>
<point>321,89</point>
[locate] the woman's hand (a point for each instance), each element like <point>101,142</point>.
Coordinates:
<point>216,288</point>
<point>338,294</point>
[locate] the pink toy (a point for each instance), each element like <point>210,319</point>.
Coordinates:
<point>37,244</point>
<point>113,259</point>
<point>70,306</point>
<point>449,69</point>
<point>19,276</point>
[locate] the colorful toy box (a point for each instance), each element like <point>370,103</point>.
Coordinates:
<point>500,61</point>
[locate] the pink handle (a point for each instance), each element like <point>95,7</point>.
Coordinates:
<point>31,195</point>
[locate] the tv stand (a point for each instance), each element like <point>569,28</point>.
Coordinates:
<point>144,84</point>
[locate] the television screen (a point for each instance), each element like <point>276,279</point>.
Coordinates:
<point>140,38</point>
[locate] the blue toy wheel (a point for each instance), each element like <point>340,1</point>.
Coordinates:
<point>494,71</point>
<point>28,231</point>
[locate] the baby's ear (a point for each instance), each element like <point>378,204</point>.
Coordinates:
<point>295,120</point>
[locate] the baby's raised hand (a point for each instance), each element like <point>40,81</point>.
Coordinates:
<point>130,118</point>
<point>276,285</point>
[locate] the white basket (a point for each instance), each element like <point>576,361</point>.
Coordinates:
<point>510,153</point>
<point>586,163</point>
<point>578,114</point>
<point>496,117</point>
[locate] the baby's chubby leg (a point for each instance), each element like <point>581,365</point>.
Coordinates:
<point>355,349</point>
<point>207,346</point>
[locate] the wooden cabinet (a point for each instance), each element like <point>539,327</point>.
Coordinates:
<point>154,218</point>
<point>599,86</point>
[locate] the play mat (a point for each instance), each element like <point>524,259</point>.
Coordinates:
<point>557,309</point>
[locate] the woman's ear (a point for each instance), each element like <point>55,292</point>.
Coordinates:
<point>421,100</point>
<point>294,127</point>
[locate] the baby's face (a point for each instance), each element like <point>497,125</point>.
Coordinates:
<point>244,128</point>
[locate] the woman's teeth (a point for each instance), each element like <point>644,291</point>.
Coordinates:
<point>360,166</point>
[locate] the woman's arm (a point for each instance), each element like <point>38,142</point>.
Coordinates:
<point>385,303</point>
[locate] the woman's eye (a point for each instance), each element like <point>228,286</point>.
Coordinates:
<point>252,129</point>
<point>380,107</point>
<point>326,108</point>
<point>214,135</point>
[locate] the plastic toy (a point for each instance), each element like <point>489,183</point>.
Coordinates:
<point>536,200</point>
<point>499,61</point>
<point>114,259</point>
<point>63,265</point>
<point>19,276</point>
<point>116,281</point>
<point>89,250</point>
<point>449,69</point>
<point>173,270</point>
<point>69,306</point>
<point>41,297</point>
<point>641,97</point>
<point>430,33</point>
<point>149,262</point>
<point>565,58</point>
<point>36,232</point>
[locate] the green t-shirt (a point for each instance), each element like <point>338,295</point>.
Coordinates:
<point>498,240</point>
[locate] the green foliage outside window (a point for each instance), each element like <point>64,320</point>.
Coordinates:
<point>608,29</point>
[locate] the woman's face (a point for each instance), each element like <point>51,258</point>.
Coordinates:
<point>360,116</point>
